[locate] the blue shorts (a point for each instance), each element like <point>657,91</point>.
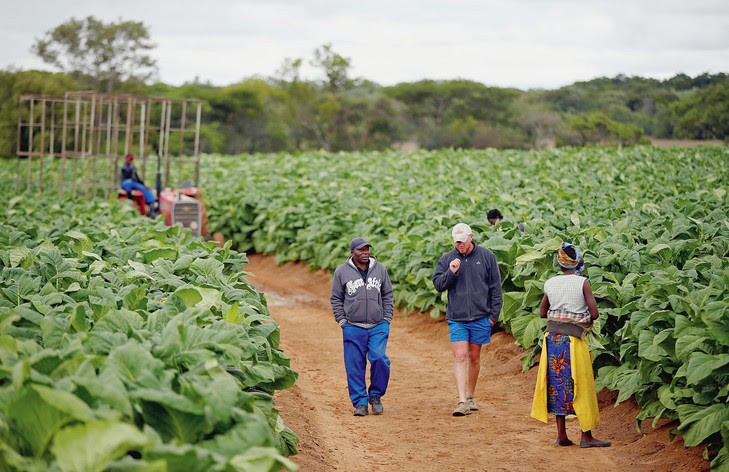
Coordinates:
<point>475,332</point>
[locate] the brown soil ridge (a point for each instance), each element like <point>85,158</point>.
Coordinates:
<point>417,431</point>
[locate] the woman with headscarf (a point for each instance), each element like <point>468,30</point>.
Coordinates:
<point>565,382</point>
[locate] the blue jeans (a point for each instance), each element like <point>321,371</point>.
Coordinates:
<point>359,345</point>
<point>129,185</point>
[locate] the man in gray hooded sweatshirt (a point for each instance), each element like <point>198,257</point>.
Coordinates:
<point>363,304</point>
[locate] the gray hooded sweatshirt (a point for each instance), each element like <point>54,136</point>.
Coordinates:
<point>362,303</point>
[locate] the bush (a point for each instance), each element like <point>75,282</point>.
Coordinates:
<point>597,128</point>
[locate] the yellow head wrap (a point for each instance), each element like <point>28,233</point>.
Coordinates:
<point>566,261</point>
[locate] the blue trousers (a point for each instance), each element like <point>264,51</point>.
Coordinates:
<point>129,185</point>
<point>359,345</point>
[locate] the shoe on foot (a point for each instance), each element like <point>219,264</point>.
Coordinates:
<point>471,403</point>
<point>462,409</point>
<point>361,410</point>
<point>595,444</point>
<point>377,408</point>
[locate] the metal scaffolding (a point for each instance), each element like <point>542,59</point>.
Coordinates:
<point>79,140</point>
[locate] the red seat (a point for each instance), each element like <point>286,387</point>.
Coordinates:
<point>137,197</point>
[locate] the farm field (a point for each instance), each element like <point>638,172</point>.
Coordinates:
<point>651,222</point>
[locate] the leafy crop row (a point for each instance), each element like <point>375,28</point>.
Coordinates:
<point>652,223</point>
<point>127,345</point>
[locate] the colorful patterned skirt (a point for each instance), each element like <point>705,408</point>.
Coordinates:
<point>560,386</point>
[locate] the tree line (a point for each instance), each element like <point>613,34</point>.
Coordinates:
<point>286,113</point>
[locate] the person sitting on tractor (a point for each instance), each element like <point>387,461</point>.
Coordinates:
<point>130,180</point>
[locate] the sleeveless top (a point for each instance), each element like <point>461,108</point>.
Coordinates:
<point>565,293</point>
<point>568,313</point>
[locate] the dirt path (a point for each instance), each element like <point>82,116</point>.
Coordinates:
<point>417,431</point>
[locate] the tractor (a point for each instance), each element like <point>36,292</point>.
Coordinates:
<point>182,205</point>
<point>79,140</point>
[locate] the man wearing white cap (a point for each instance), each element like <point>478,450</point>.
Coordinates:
<point>471,275</point>
<point>362,301</point>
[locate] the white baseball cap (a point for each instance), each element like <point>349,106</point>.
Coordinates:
<point>461,232</point>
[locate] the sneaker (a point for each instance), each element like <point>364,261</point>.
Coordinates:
<point>361,410</point>
<point>377,408</point>
<point>462,409</point>
<point>471,403</point>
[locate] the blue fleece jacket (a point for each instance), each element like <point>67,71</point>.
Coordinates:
<point>474,291</point>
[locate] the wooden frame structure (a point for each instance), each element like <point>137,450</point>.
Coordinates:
<point>83,137</point>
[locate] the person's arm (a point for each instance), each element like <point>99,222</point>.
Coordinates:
<point>590,299</point>
<point>137,178</point>
<point>388,298</point>
<point>336,298</point>
<point>544,307</point>
<point>443,277</point>
<point>495,296</point>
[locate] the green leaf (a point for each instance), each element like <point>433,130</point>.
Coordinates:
<point>629,381</point>
<point>106,389</point>
<point>190,296</point>
<point>173,306</point>
<point>665,395</point>
<point>715,316</point>
<point>135,365</point>
<point>20,257</point>
<point>575,218</point>
<point>699,422</point>
<point>119,321</point>
<point>173,415</point>
<point>530,256</point>
<point>660,247</point>
<point>231,316</point>
<point>185,457</point>
<point>209,268</point>
<point>55,332</point>
<point>210,298</point>
<point>687,344</point>
<point>261,459</point>
<point>79,321</point>
<point>136,299</point>
<point>161,252</point>
<point>28,286</point>
<point>650,347</point>
<point>11,460</point>
<point>702,365</point>
<point>81,243</point>
<point>528,329</point>
<point>721,461</point>
<point>512,304</point>
<point>91,447</point>
<point>39,411</point>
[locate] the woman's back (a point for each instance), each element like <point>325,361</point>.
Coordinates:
<point>565,293</point>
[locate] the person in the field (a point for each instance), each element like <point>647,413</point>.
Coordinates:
<point>130,180</point>
<point>362,301</point>
<point>470,274</point>
<point>565,382</point>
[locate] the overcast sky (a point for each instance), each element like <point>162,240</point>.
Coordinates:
<point>511,43</point>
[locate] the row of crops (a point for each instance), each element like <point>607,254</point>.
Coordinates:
<point>126,345</point>
<point>653,225</point>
